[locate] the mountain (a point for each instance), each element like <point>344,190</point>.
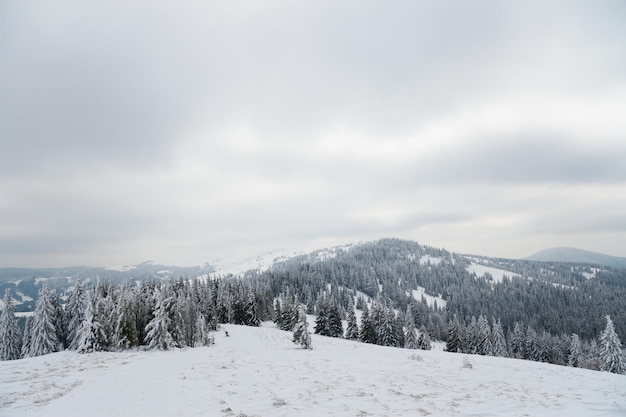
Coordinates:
<point>258,371</point>
<point>580,256</point>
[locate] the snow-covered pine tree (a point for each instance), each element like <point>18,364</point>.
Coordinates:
<point>352,331</point>
<point>26,338</point>
<point>410,337</point>
<point>574,357</point>
<point>74,314</point>
<point>301,334</point>
<point>43,334</point>
<point>517,339</point>
<point>203,336</point>
<point>611,353</point>
<point>387,334</point>
<point>10,336</point>
<point>158,335</point>
<point>125,332</point>
<point>423,341</point>
<point>252,315</point>
<point>91,333</point>
<point>454,344</point>
<point>498,341</point>
<point>367,333</point>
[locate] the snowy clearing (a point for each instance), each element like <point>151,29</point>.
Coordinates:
<point>430,299</point>
<point>259,372</point>
<point>496,273</point>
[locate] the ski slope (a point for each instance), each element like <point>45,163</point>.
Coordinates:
<point>259,372</point>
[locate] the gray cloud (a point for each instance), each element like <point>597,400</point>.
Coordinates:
<point>138,131</point>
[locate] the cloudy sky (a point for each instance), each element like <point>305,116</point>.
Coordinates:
<point>185,131</point>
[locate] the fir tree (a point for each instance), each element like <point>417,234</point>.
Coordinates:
<point>202,336</point>
<point>611,353</point>
<point>368,331</point>
<point>574,358</point>
<point>517,340</point>
<point>157,331</point>
<point>352,331</point>
<point>252,316</point>
<point>26,338</point>
<point>387,334</point>
<point>125,333</point>
<point>74,314</point>
<point>301,334</point>
<point>453,344</point>
<point>498,341</point>
<point>423,341</point>
<point>10,336</point>
<point>410,337</point>
<point>43,334</point>
<point>91,333</point>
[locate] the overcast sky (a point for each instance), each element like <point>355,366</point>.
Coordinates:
<point>185,131</point>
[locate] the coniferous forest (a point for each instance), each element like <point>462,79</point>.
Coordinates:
<point>546,312</point>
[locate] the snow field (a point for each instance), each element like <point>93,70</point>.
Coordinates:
<point>259,372</point>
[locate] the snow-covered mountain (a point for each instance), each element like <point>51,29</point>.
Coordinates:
<point>260,372</point>
<point>574,255</point>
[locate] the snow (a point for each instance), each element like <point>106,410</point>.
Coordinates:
<point>430,300</point>
<point>496,273</point>
<point>122,268</point>
<point>238,267</point>
<point>260,372</point>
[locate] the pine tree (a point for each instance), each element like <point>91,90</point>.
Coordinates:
<point>301,334</point>
<point>574,358</point>
<point>498,341</point>
<point>517,340</point>
<point>352,331</point>
<point>367,333</point>
<point>252,316</point>
<point>157,331</point>
<point>91,333</point>
<point>611,350</point>
<point>74,314</point>
<point>410,337</point>
<point>43,334</point>
<point>26,338</point>
<point>453,344</point>
<point>125,333</point>
<point>387,334</point>
<point>10,336</point>
<point>423,341</point>
<point>202,336</point>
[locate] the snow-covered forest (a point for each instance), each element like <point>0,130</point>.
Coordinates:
<point>369,287</point>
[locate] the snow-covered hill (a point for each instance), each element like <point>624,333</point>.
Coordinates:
<point>259,372</point>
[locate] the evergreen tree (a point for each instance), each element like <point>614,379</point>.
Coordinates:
<point>26,338</point>
<point>10,336</point>
<point>498,341</point>
<point>387,334</point>
<point>368,332</point>
<point>125,333</point>
<point>423,341</point>
<point>202,336</point>
<point>611,353</point>
<point>74,314</point>
<point>301,334</point>
<point>43,334</point>
<point>453,344</point>
<point>91,333</point>
<point>517,339</point>
<point>157,331</point>
<point>352,331</point>
<point>410,337</point>
<point>252,316</point>
<point>574,358</point>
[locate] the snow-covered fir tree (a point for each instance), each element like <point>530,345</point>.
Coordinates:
<point>517,339</point>
<point>352,331</point>
<point>158,334</point>
<point>252,316</point>
<point>42,334</point>
<point>125,332</point>
<point>74,314</point>
<point>10,336</point>
<point>574,357</point>
<point>410,337</point>
<point>498,341</point>
<point>367,333</point>
<point>611,353</point>
<point>202,336</point>
<point>387,332</point>
<point>328,320</point>
<point>301,334</point>
<point>454,342</point>
<point>423,341</point>
<point>91,332</point>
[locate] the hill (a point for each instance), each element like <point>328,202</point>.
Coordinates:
<point>578,256</point>
<point>259,372</point>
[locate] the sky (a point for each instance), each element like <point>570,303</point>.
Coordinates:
<point>183,132</point>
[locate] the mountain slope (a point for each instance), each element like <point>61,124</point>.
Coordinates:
<point>259,372</point>
<point>575,255</point>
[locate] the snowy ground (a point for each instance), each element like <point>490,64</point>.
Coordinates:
<point>259,372</point>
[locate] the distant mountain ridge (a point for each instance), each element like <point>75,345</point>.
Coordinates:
<point>577,256</point>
